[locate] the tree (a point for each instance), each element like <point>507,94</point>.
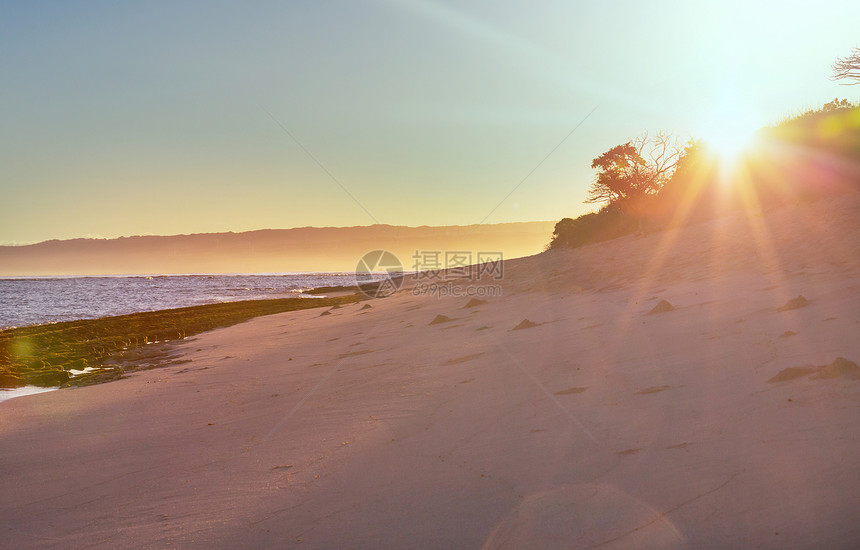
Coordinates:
<point>618,175</point>
<point>629,173</point>
<point>848,67</point>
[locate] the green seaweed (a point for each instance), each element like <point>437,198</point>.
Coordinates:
<point>43,355</point>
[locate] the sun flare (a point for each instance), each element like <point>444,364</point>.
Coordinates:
<point>729,131</point>
<point>730,141</point>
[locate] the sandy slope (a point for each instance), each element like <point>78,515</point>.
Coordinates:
<point>602,427</point>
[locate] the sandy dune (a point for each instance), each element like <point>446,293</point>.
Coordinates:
<point>595,425</point>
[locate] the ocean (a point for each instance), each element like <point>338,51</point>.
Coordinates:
<point>36,300</point>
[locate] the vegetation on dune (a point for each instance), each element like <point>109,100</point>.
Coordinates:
<point>628,183</point>
<point>44,355</point>
<point>649,184</point>
<point>832,129</point>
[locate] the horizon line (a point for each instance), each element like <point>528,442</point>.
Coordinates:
<point>13,244</point>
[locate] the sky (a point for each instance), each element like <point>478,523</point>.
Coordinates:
<point>132,118</point>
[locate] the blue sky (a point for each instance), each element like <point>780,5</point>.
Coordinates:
<point>123,118</point>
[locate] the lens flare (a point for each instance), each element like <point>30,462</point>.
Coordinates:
<point>730,142</point>
<point>731,145</point>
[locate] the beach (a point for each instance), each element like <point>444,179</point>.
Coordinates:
<point>636,393</point>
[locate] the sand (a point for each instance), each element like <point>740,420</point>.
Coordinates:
<point>598,427</point>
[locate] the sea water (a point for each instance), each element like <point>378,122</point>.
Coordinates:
<point>6,394</point>
<point>36,300</point>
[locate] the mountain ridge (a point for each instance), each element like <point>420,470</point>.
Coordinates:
<point>264,250</point>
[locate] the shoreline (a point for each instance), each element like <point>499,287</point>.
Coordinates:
<point>46,355</point>
<point>11,393</point>
<point>34,301</point>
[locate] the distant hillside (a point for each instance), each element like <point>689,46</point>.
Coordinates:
<point>264,251</point>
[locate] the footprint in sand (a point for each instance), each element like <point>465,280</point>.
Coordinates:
<point>354,353</point>
<point>458,360</point>
<point>571,391</point>
<point>628,452</point>
<point>325,313</point>
<point>365,306</point>
<point>524,324</point>
<point>794,303</point>
<point>791,373</point>
<point>440,319</point>
<point>474,302</point>
<point>839,368</point>
<point>653,389</point>
<point>662,306</point>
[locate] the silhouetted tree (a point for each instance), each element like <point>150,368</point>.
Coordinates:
<point>561,233</point>
<point>619,175</point>
<point>607,223</point>
<point>635,170</point>
<point>848,67</point>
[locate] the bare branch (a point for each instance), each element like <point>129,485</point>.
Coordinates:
<point>847,67</point>
<point>635,170</point>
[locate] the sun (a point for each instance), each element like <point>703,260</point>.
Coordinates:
<point>730,142</point>
<point>730,137</point>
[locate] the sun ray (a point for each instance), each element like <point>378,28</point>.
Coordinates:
<point>690,197</point>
